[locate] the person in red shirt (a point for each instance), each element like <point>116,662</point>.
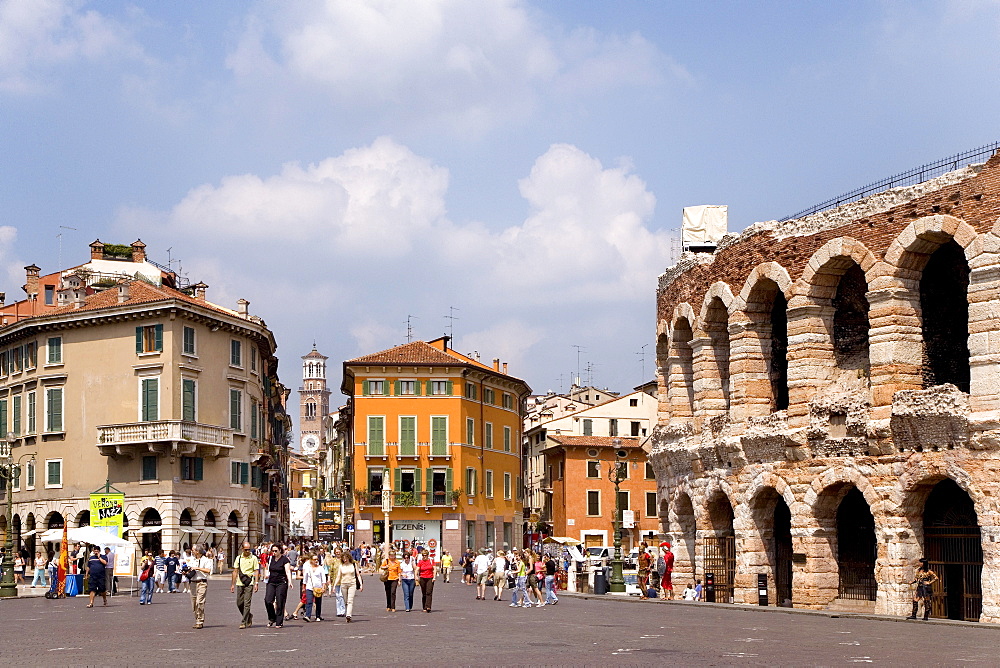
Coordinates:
<point>665,566</point>
<point>425,574</point>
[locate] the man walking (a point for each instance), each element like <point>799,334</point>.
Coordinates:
<point>199,568</point>
<point>109,571</point>
<point>550,580</point>
<point>481,571</point>
<point>246,568</point>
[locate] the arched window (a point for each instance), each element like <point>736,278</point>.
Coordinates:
<point>767,310</point>
<point>850,321</point>
<point>682,370</point>
<point>944,308</point>
<point>310,409</point>
<point>717,329</point>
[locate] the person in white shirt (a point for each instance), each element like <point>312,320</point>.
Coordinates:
<point>198,568</point>
<point>690,593</point>
<point>314,580</point>
<point>499,574</point>
<point>407,579</point>
<point>481,571</point>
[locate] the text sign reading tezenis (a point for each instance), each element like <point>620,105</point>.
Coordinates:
<point>330,519</point>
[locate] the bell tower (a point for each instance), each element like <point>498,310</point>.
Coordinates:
<point>314,396</point>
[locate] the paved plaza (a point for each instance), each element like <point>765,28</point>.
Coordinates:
<point>464,631</point>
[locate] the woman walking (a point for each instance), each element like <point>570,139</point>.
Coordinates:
<point>349,581</point>
<point>279,574</point>
<point>390,577</point>
<point>924,578</point>
<point>314,580</point>
<point>536,576</point>
<point>407,578</point>
<point>332,570</point>
<point>146,581</point>
<point>446,561</point>
<point>95,576</point>
<point>520,570</point>
<point>40,565</point>
<point>499,574</point>
<point>425,571</point>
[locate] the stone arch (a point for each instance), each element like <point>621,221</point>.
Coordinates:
<point>54,520</point>
<point>830,260</point>
<point>766,270</point>
<point>908,251</point>
<point>843,475</point>
<point>762,344</point>
<point>719,290</point>
<point>83,518</point>
<point>712,373</point>
<point>680,389</point>
<point>683,525</point>
<point>663,368</point>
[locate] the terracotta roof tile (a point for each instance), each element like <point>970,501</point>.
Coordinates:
<point>417,352</point>
<point>140,292</point>
<point>594,441</point>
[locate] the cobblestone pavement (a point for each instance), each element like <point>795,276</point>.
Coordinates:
<point>464,631</point>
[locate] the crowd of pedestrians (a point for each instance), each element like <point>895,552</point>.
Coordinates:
<point>532,578</point>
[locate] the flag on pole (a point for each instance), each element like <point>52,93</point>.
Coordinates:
<point>63,560</point>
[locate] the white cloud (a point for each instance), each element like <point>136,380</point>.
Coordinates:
<point>36,35</point>
<point>467,65</point>
<point>510,340</point>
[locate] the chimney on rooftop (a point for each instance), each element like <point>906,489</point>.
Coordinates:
<point>199,290</point>
<point>96,250</point>
<point>123,291</point>
<point>138,251</point>
<point>31,283</point>
<point>241,307</point>
<point>505,367</point>
<point>496,363</point>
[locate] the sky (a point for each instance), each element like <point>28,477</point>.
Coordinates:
<point>351,165</point>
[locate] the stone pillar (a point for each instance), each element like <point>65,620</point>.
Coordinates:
<point>709,399</point>
<point>750,382</point>
<point>810,355</point>
<point>896,340</point>
<point>984,330</point>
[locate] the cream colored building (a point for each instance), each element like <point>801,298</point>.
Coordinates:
<point>171,399</point>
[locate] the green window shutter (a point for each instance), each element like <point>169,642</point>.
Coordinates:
<point>416,388</point>
<point>408,436</point>
<point>253,420</point>
<point>244,473</point>
<point>448,485</point>
<point>429,484</point>
<point>364,388</point>
<point>417,486</point>
<point>159,338</point>
<point>429,388</point>
<point>55,421</point>
<point>398,390</point>
<point>3,416</point>
<point>450,384</point>
<point>199,468</point>
<point>234,473</point>
<point>234,409</point>
<point>138,340</point>
<point>149,467</point>
<point>397,479</point>
<point>470,431</point>
<point>53,473</point>
<point>506,439</point>
<point>187,400</point>
<point>150,397</point>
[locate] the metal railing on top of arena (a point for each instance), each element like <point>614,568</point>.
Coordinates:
<point>907,178</point>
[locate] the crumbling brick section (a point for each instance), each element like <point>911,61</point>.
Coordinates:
<point>944,305</point>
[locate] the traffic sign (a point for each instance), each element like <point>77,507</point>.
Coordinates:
<point>349,528</point>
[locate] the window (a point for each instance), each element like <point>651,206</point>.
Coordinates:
<point>406,387</point>
<point>650,504</point>
<point>376,435</point>
<point>253,359</point>
<point>623,500</point>
<point>613,427</point>
<point>3,417</point>
<point>373,387</point>
<point>4,363</point>
<point>189,343</point>
<point>588,427</point>
<point>235,353</point>
<point>189,400</point>
<point>508,401</point>
<point>240,474</point>
<point>489,396</point>
<point>149,339</point>
<point>149,400</point>
<point>489,484</point>
<point>50,295</point>
<point>560,470</point>
<point>31,413</point>
<point>408,435</point>
<point>649,472</point>
<point>635,428</point>
<point>623,467</point>
<point>53,473</point>
<point>254,413</point>
<point>16,410</point>
<point>470,431</point>
<point>593,502</point>
<point>30,355</point>
<point>440,387</point>
<point>149,467</point>
<point>192,468</point>
<point>489,435</point>
<point>593,469</point>
<point>16,359</point>
<point>310,410</point>
<point>439,435</point>
<point>236,409</point>
<point>54,409</point>
<point>470,481</point>
<point>506,486</point>
<point>30,470</point>
<point>470,391</point>
<point>633,402</point>
<point>506,439</point>
<point>53,350</point>
<point>256,477</point>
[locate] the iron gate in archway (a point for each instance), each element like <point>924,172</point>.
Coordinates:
<point>719,558</point>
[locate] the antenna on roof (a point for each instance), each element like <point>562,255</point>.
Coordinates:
<point>642,359</point>
<point>578,349</point>
<point>409,328</point>
<point>60,236</point>
<point>451,317</point>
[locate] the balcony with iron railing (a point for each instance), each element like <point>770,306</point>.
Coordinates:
<point>175,437</point>
<point>409,499</point>
<point>411,449</point>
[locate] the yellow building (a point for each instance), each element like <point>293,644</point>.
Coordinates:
<point>442,432</point>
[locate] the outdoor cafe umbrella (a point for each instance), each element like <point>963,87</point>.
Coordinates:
<point>562,540</point>
<point>91,535</point>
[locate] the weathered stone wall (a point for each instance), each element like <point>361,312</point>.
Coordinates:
<point>868,345</point>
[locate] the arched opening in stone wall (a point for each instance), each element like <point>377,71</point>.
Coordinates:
<point>953,545</point>
<point>767,310</point>
<point>857,548</point>
<point>774,526</point>
<point>663,372</point>
<point>152,535</point>
<point>83,518</point>
<point>15,523</point>
<point>234,539</point>
<point>186,523</point>
<point>944,308</point>
<point>850,321</point>
<point>717,328</point>
<point>719,548</point>
<point>682,370</point>
<point>664,516</point>
<point>54,520</point>
<point>31,542</point>
<point>684,535</point>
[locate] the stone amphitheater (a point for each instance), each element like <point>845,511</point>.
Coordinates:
<point>828,392</point>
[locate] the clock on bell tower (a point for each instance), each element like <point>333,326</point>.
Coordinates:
<point>315,399</point>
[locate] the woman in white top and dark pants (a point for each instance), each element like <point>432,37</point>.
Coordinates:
<point>349,581</point>
<point>407,575</point>
<point>314,579</point>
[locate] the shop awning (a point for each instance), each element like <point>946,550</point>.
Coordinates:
<point>28,534</point>
<point>213,531</point>
<point>156,529</point>
<point>236,530</point>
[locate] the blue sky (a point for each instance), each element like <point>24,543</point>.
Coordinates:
<point>343,165</point>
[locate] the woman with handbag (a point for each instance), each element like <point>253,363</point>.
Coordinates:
<point>390,578</point>
<point>349,581</point>
<point>332,569</point>
<point>407,578</point>
<point>279,574</point>
<point>314,579</point>
<point>146,581</point>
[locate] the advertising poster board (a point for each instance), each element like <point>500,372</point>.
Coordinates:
<point>300,517</point>
<point>426,533</point>
<point>330,520</point>
<point>124,558</point>
<point>107,512</point>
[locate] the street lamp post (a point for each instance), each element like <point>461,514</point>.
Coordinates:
<point>10,472</point>
<point>616,474</point>
<point>386,509</point>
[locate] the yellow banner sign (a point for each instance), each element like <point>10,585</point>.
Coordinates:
<point>107,511</point>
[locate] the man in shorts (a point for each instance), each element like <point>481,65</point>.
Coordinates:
<point>480,572</point>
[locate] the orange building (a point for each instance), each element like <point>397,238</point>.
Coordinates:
<point>583,499</point>
<point>442,432</point>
